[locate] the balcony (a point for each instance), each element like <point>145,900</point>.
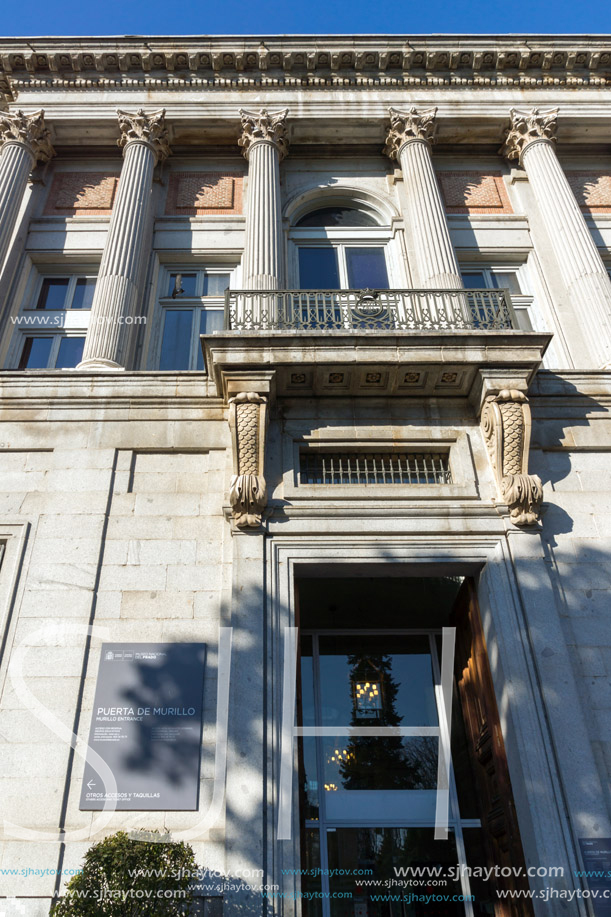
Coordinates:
<point>368,310</point>
<point>376,343</point>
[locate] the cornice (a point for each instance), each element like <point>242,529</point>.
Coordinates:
<point>303,61</point>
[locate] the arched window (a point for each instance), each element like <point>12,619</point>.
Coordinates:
<point>341,246</point>
<point>337,216</point>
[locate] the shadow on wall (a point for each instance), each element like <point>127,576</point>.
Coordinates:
<point>557,406</point>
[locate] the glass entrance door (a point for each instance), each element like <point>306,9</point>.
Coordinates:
<point>368,803</point>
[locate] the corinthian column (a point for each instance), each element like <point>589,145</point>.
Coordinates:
<point>409,141</point>
<point>144,139</point>
<point>531,140</point>
<point>264,144</point>
<point>24,140</point>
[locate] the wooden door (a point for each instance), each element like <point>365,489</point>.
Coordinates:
<point>486,748</point>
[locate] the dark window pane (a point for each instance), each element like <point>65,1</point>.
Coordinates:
<point>318,269</point>
<point>35,353</point>
<point>70,352</point>
<point>53,293</point>
<point>366,269</point>
<point>379,853</point>
<point>83,293</point>
<point>377,681</point>
<point>474,280</point>
<point>185,286</point>
<point>210,320</point>
<point>176,344</point>
<point>215,284</point>
<point>337,216</point>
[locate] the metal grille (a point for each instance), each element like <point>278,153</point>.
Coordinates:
<point>368,310</point>
<point>317,467</point>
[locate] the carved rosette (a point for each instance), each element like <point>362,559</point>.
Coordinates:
<point>409,125</point>
<point>28,130</point>
<point>266,126</point>
<point>506,424</point>
<point>248,491</point>
<point>145,127</point>
<point>526,128</point>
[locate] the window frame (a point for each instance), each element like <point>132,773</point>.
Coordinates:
<point>197,304</point>
<point>522,302</point>
<point>58,324</point>
<point>56,340</point>
<point>72,278</point>
<point>340,238</point>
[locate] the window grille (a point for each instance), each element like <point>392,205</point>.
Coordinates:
<point>317,467</point>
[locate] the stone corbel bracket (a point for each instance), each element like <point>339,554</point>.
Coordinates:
<point>506,425</point>
<point>248,491</point>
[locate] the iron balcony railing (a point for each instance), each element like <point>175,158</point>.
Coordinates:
<point>368,310</point>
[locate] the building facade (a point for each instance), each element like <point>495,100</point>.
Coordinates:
<point>306,352</point>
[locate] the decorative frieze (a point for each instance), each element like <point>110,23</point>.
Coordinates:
<point>248,490</point>
<point>406,126</point>
<point>28,131</point>
<point>145,127</point>
<point>474,192</point>
<point>528,127</point>
<point>264,126</point>
<point>204,193</point>
<point>506,425</point>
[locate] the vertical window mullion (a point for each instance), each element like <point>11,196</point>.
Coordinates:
<point>70,292</point>
<point>54,351</point>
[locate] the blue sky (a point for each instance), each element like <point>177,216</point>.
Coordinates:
<point>272,17</point>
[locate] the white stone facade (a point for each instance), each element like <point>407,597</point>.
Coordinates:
<point>147,502</point>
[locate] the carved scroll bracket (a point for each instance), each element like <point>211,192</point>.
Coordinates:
<point>248,490</point>
<point>506,425</point>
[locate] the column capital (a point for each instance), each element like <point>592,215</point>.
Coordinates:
<point>528,127</point>
<point>29,131</point>
<point>266,126</point>
<point>145,127</point>
<point>409,125</point>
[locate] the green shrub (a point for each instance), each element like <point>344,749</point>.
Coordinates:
<point>125,877</point>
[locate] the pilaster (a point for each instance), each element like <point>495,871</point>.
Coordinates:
<point>144,139</point>
<point>409,139</point>
<point>530,140</point>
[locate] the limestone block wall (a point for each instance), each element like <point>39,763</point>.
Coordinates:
<point>572,432</point>
<point>123,527</point>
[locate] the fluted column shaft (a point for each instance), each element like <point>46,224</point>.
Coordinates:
<point>263,267</point>
<point>116,290</point>
<point>24,139</point>
<point>436,265</point>
<point>408,141</point>
<point>16,162</point>
<point>144,139</point>
<point>581,267</point>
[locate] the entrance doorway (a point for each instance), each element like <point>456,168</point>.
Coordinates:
<point>370,654</point>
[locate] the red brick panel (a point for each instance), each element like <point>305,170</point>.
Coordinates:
<point>473,192</point>
<point>89,193</point>
<point>201,193</point>
<point>592,190</point>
